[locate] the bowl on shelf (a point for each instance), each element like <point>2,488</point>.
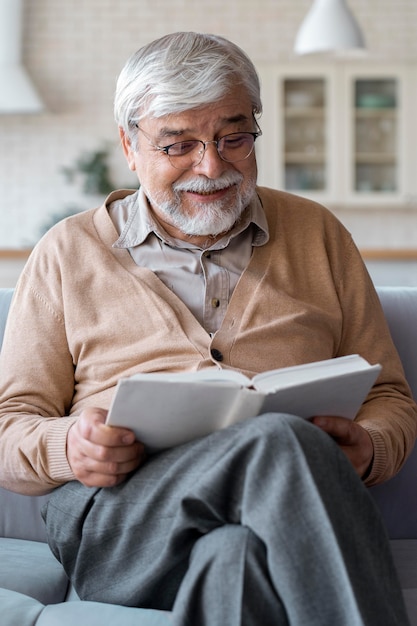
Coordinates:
<point>300,99</point>
<point>375,101</point>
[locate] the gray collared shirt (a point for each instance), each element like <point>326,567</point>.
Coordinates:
<point>204,279</point>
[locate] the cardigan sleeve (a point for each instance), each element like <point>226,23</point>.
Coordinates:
<point>330,274</point>
<point>389,412</point>
<point>36,389</point>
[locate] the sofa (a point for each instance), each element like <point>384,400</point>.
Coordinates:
<point>34,589</point>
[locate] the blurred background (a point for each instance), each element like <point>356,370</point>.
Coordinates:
<point>341,130</point>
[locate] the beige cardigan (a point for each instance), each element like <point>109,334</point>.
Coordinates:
<point>85,315</point>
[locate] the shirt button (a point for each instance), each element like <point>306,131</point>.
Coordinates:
<point>215,303</point>
<point>216,354</point>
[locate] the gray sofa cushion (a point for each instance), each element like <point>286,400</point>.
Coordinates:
<point>20,610</point>
<point>30,568</point>
<point>95,614</point>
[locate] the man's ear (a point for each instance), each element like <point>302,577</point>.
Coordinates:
<point>127,149</point>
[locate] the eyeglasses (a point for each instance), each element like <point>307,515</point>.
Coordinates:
<point>183,155</point>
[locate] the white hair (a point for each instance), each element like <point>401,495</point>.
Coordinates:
<point>182,71</point>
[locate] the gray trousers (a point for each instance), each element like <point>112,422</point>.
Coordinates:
<point>262,523</point>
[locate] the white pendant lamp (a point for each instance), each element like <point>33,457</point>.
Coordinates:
<point>329,26</point>
<point>17,92</point>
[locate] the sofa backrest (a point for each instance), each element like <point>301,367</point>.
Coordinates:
<point>5,299</point>
<point>397,498</point>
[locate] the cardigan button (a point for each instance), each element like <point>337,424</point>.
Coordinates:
<point>216,354</point>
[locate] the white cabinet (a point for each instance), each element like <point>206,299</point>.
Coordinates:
<point>341,133</point>
<point>305,136</point>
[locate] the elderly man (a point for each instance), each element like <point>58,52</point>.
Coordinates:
<point>265,522</point>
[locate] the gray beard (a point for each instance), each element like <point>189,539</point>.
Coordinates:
<point>214,218</point>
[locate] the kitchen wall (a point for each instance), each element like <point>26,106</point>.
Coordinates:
<point>74,51</point>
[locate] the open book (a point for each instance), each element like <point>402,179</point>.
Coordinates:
<point>165,410</point>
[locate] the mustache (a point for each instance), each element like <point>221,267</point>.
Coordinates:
<point>205,185</point>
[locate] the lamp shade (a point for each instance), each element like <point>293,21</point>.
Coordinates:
<point>17,92</point>
<point>328,26</point>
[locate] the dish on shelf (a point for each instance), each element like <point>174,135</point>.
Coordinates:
<point>300,99</point>
<point>375,101</point>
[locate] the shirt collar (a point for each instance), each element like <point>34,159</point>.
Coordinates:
<point>135,219</point>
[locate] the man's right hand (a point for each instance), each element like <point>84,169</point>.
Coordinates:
<point>100,455</point>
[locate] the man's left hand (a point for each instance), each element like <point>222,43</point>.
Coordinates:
<point>354,440</point>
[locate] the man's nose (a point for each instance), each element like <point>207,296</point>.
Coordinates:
<point>211,165</point>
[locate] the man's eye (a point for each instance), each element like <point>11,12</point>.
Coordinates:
<point>235,141</point>
<point>182,147</point>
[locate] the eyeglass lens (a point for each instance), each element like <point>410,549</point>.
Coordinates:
<point>231,148</point>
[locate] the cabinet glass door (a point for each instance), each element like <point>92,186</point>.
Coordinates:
<point>375,135</point>
<point>304,134</point>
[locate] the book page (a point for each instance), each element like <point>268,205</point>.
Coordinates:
<point>169,414</point>
<point>338,396</point>
<point>298,374</point>
<point>211,374</point>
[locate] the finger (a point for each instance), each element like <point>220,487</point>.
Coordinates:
<point>110,467</point>
<point>106,462</point>
<point>92,472</point>
<point>92,479</point>
<point>352,439</point>
<point>340,428</point>
<point>91,426</point>
<point>112,454</point>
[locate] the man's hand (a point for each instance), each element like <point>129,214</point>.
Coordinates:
<point>100,455</point>
<point>354,440</point>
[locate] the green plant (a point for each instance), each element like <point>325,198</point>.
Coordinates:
<point>92,171</point>
<point>94,168</point>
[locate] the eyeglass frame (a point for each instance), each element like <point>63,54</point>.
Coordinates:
<point>165,149</point>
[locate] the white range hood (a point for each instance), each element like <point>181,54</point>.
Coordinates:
<point>17,93</point>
